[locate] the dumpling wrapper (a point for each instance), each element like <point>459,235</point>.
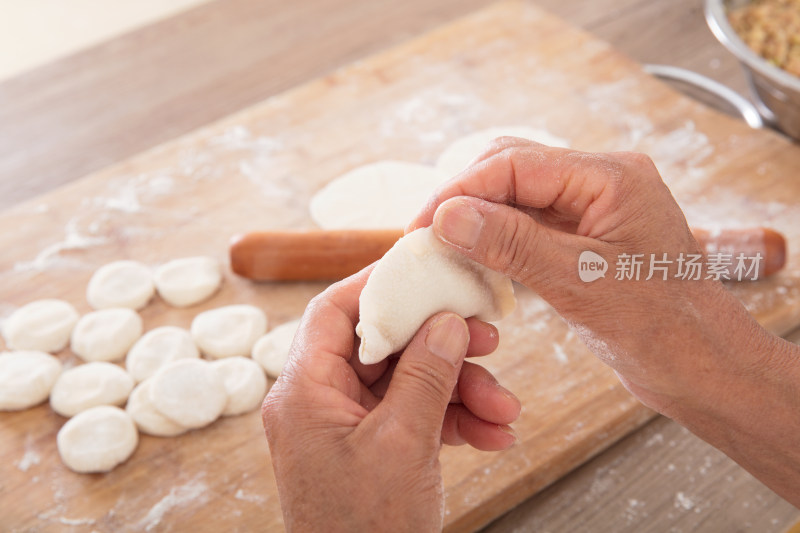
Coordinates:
<point>457,156</point>
<point>417,278</point>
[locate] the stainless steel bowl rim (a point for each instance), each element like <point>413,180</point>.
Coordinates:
<point>716,16</point>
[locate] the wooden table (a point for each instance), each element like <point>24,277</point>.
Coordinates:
<point>64,120</point>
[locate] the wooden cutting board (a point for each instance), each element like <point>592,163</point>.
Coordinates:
<point>510,64</point>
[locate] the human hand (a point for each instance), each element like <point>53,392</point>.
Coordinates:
<point>356,447</point>
<point>528,211</point>
<point>687,348</point>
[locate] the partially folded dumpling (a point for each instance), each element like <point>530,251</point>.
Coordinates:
<point>417,278</point>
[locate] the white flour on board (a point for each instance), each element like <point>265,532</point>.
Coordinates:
<point>252,498</point>
<point>241,138</point>
<point>683,501</point>
<point>560,354</point>
<point>195,492</point>
<point>76,521</point>
<point>431,116</point>
<point>51,256</point>
<point>29,459</point>
<point>614,102</point>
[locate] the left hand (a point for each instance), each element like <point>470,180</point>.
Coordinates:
<point>356,447</point>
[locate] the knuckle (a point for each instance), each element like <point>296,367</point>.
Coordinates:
<point>322,299</point>
<point>515,245</point>
<point>318,302</point>
<point>634,158</point>
<point>513,153</point>
<point>608,168</point>
<point>275,408</point>
<point>270,414</point>
<point>503,143</point>
<point>641,165</point>
<point>431,380</point>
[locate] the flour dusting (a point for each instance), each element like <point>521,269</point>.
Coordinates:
<point>252,498</point>
<point>53,255</point>
<point>560,354</point>
<point>29,459</point>
<point>194,491</point>
<point>683,501</point>
<point>77,521</point>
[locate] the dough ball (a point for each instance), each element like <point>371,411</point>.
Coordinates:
<point>189,392</point>
<point>416,279</point>
<point>120,284</point>
<point>272,350</point>
<point>187,281</point>
<point>43,325</point>
<point>26,378</point>
<point>386,194</point>
<point>461,152</point>
<point>228,331</point>
<point>157,348</point>
<point>147,418</point>
<point>86,386</point>
<point>106,335</point>
<point>244,382</point>
<point>97,440</point>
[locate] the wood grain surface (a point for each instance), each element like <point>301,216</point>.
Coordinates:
<point>74,116</point>
<point>50,141</point>
<point>65,120</point>
<point>258,168</point>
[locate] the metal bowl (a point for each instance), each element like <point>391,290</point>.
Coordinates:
<point>776,92</point>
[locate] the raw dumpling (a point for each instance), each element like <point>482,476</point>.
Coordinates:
<point>147,418</point>
<point>26,378</point>
<point>417,278</point>
<point>187,281</point>
<point>228,331</point>
<point>97,439</point>
<point>43,325</point>
<point>189,392</point>
<point>157,348</point>
<point>120,284</point>
<point>106,335</point>
<point>272,350</point>
<point>86,386</point>
<point>244,382</point>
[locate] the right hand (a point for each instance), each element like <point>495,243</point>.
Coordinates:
<point>528,211</point>
<point>688,349</point>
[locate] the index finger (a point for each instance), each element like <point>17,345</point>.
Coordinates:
<point>328,324</point>
<point>531,175</point>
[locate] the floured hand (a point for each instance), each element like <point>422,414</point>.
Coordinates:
<point>356,447</point>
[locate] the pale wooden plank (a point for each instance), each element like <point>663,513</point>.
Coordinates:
<point>620,14</point>
<point>67,119</point>
<point>661,478</point>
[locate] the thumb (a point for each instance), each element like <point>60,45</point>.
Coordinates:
<point>511,242</point>
<point>425,376</point>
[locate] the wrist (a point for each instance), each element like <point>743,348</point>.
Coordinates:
<point>726,368</point>
<point>743,394</point>
<point>702,347</point>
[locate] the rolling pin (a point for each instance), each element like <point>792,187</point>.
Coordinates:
<point>332,255</point>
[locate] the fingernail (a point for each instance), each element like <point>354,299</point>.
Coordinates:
<point>461,225</point>
<point>510,431</point>
<point>448,338</point>
<point>507,393</point>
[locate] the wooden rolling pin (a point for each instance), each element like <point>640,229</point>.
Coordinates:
<point>333,255</point>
